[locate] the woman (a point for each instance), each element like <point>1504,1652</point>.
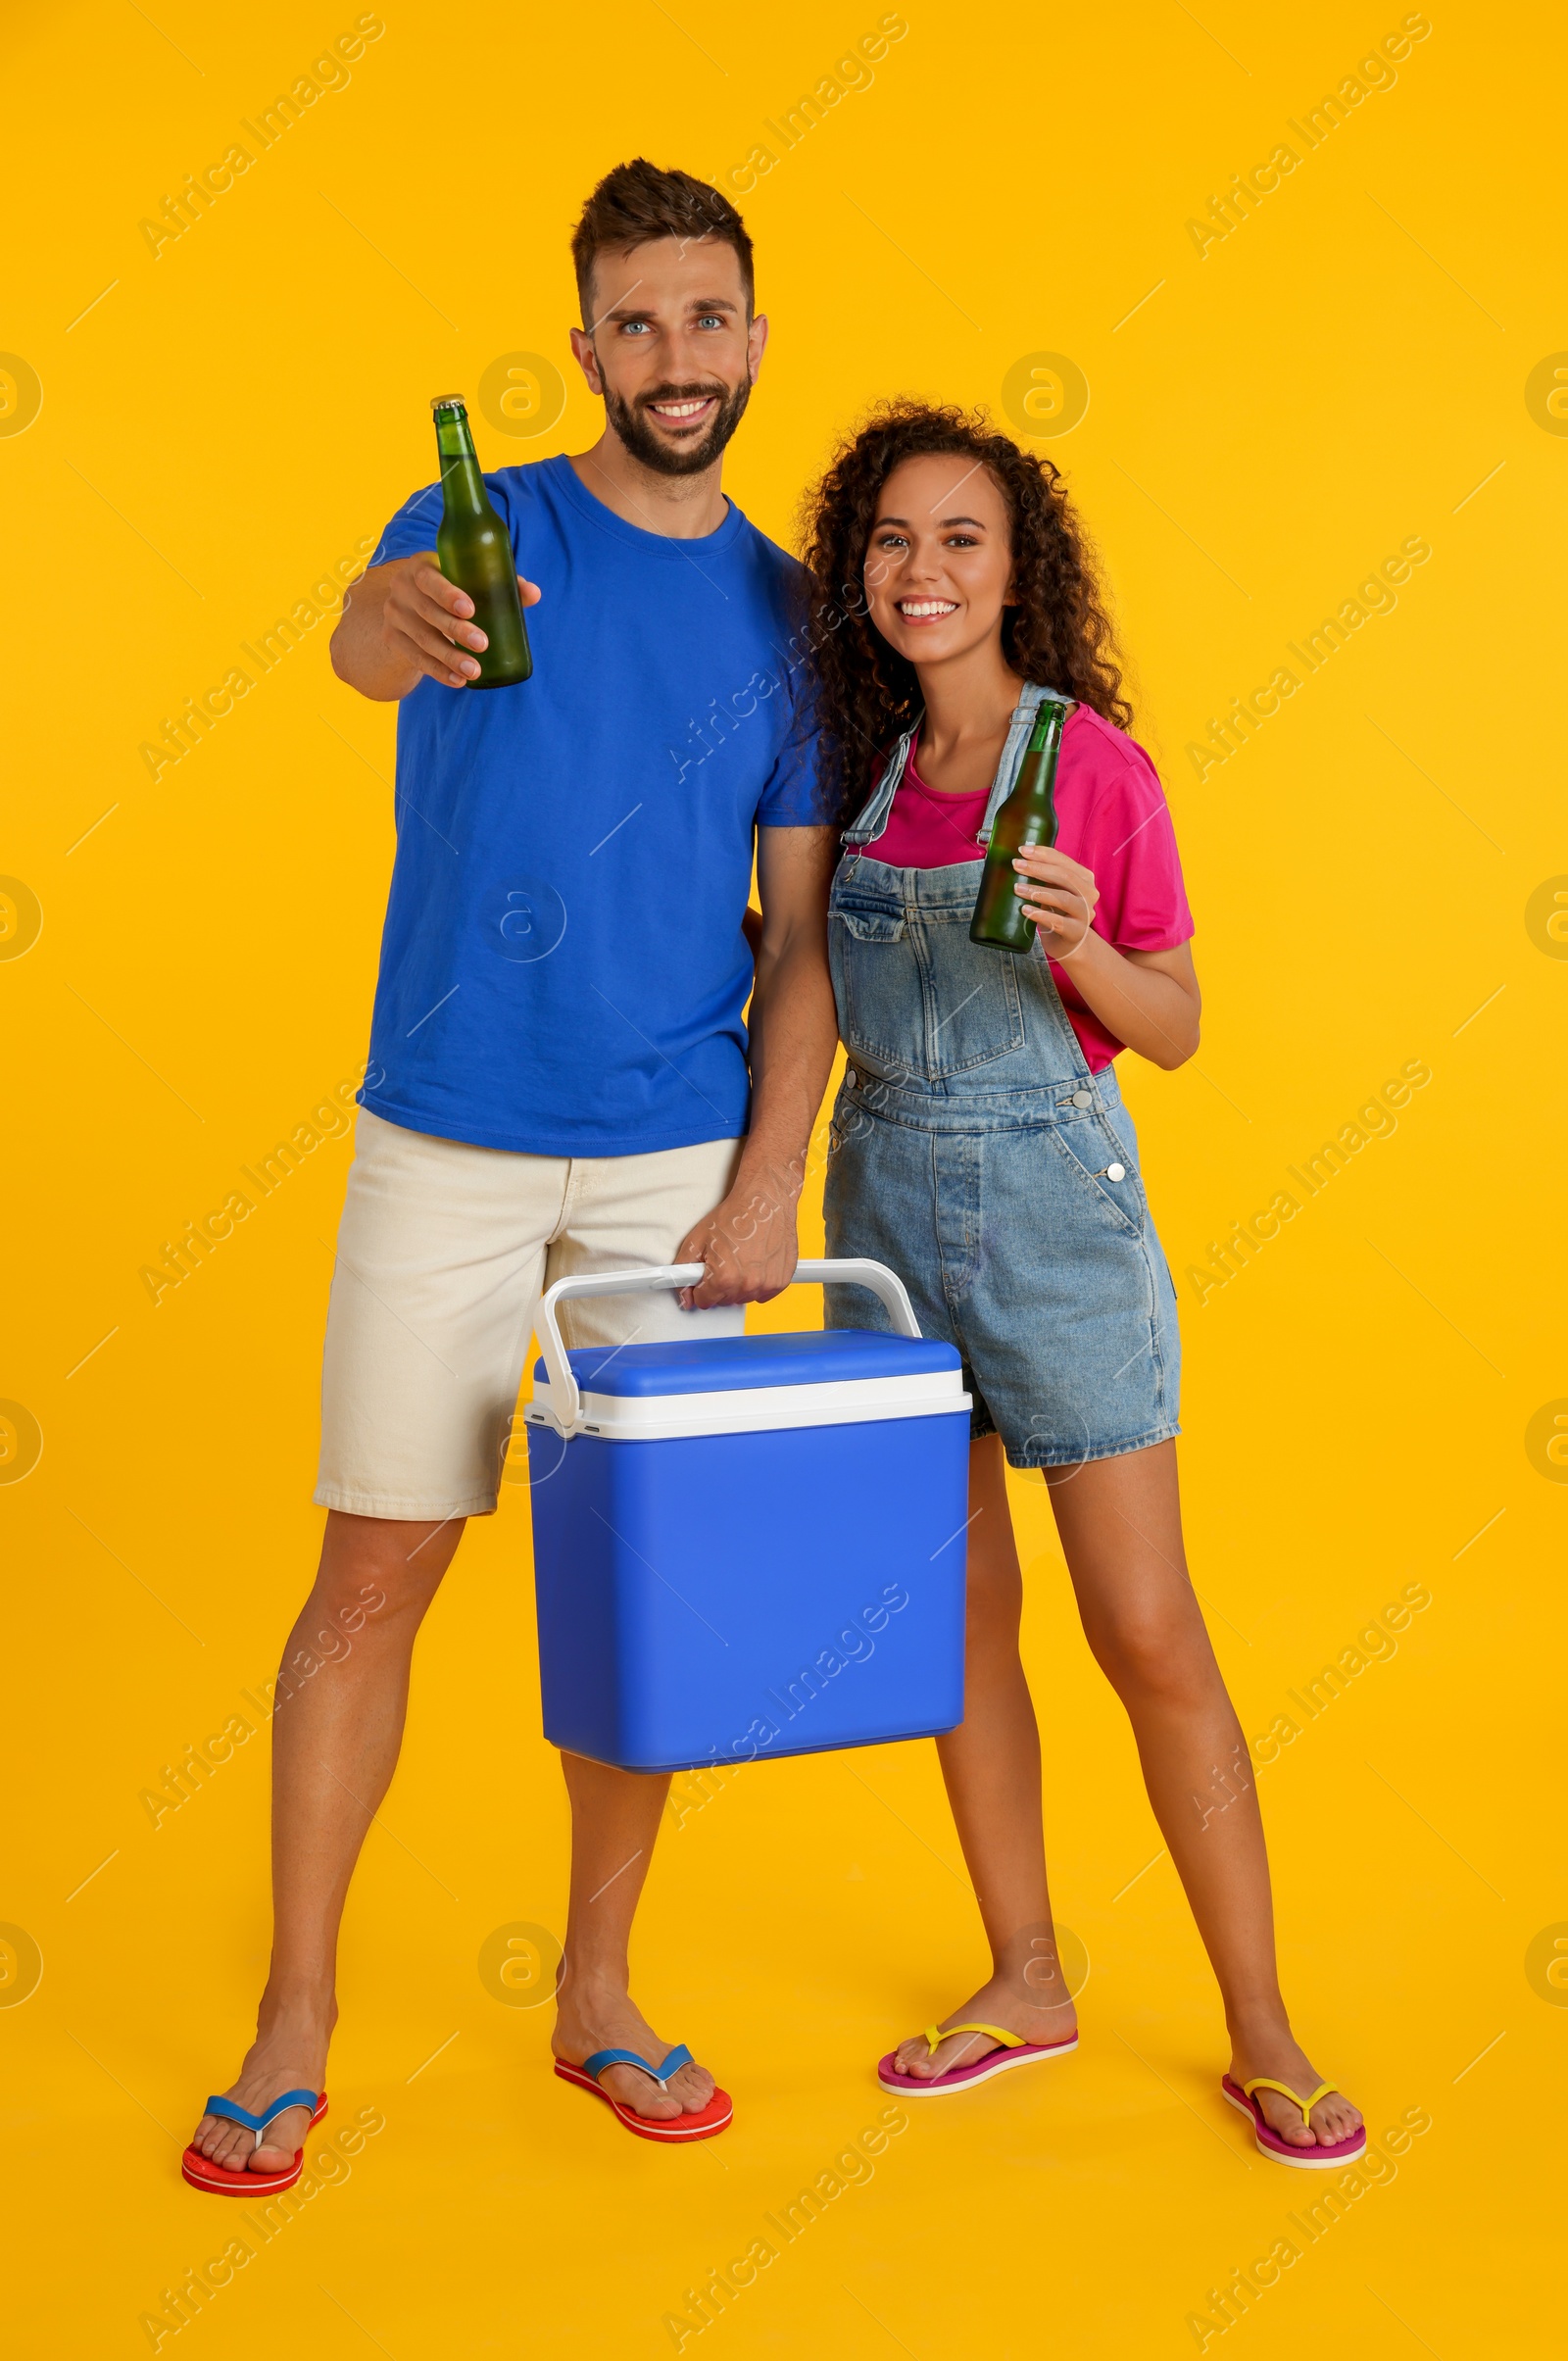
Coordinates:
<point>981,1148</point>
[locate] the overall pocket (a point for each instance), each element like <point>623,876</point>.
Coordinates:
<point>974,1008</point>
<point>876,984</point>
<point>1087,1146</point>
<point>915,997</point>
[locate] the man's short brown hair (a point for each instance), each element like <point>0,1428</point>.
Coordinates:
<point>636,203</point>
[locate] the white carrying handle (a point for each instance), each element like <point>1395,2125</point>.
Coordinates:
<point>566,1407</point>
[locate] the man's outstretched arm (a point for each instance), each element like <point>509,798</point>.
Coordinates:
<point>405,623</point>
<point>748,1242</point>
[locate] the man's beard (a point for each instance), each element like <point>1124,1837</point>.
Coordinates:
<point>643,442</point>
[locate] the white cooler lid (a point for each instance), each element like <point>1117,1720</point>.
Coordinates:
<point>746,1384</point>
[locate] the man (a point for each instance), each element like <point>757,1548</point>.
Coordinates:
<point>559,1067</point>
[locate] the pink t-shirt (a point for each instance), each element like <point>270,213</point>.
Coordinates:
<point>1111,817</point>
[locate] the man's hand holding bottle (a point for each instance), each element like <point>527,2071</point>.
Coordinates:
<point>434,615</point>
<point>405,623</point>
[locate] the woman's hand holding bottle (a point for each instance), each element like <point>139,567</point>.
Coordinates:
<point>1059,894</point>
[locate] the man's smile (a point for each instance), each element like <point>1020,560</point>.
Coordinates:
<point>676,427</point>
<point>685,412</point>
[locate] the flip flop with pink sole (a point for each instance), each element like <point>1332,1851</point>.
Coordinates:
<point>1014,2051</point>
<point>1320,2159</point>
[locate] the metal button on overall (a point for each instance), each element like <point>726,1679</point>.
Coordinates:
<point>1083,1098</point>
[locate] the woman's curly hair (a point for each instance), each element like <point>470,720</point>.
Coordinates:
<point>1058,633</point>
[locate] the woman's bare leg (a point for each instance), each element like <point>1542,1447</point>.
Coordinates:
<point>1120,1526</point>
<point>991,1767</point>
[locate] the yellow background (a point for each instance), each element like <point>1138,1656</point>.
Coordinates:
<point>228,420</point>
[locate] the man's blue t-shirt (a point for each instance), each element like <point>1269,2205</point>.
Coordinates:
<point>562,965</point>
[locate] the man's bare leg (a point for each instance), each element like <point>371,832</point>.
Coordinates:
<point>614,1820</point>
<point>335,1745</point>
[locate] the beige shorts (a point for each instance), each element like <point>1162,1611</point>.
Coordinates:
<point>443,1253</point>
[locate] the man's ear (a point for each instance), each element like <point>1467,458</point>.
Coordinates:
<point>755,345</point>
<point>582,345</point>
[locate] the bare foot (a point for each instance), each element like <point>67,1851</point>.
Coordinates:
<point>288,2053</point>
<point>596,2014</point>
<point>1272,2050</point>
<point>1003,2001</point>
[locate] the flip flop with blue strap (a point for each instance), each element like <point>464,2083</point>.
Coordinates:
<point>219,2181</point>
<point>712,2118</point>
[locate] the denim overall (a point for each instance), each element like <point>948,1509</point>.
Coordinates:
<point>971,1149</point>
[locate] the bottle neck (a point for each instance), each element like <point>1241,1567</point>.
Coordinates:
<point>1037,769</point>
<point>1047,724</point>
<point>462,484</point>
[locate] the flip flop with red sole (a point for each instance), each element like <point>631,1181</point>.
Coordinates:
<point>713,2117</point>
<point>1320,2159</point>
<point>1014,2051</point>
<point>219,2181</point>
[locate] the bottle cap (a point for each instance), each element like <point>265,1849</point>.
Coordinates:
<point>449,401</point>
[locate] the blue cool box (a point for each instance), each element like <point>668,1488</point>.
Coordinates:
<point>751,1546</point>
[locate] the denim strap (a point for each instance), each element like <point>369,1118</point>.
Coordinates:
<point>871,821</point>
<point>1012,753</point>
<point>873,815</point>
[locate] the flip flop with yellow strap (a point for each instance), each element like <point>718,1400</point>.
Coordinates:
<point>1013,2050</point>
<point>1320,2159</point>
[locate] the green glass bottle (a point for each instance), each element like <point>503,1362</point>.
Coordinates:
<point>1027,819</point>
<point>475,551</point>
